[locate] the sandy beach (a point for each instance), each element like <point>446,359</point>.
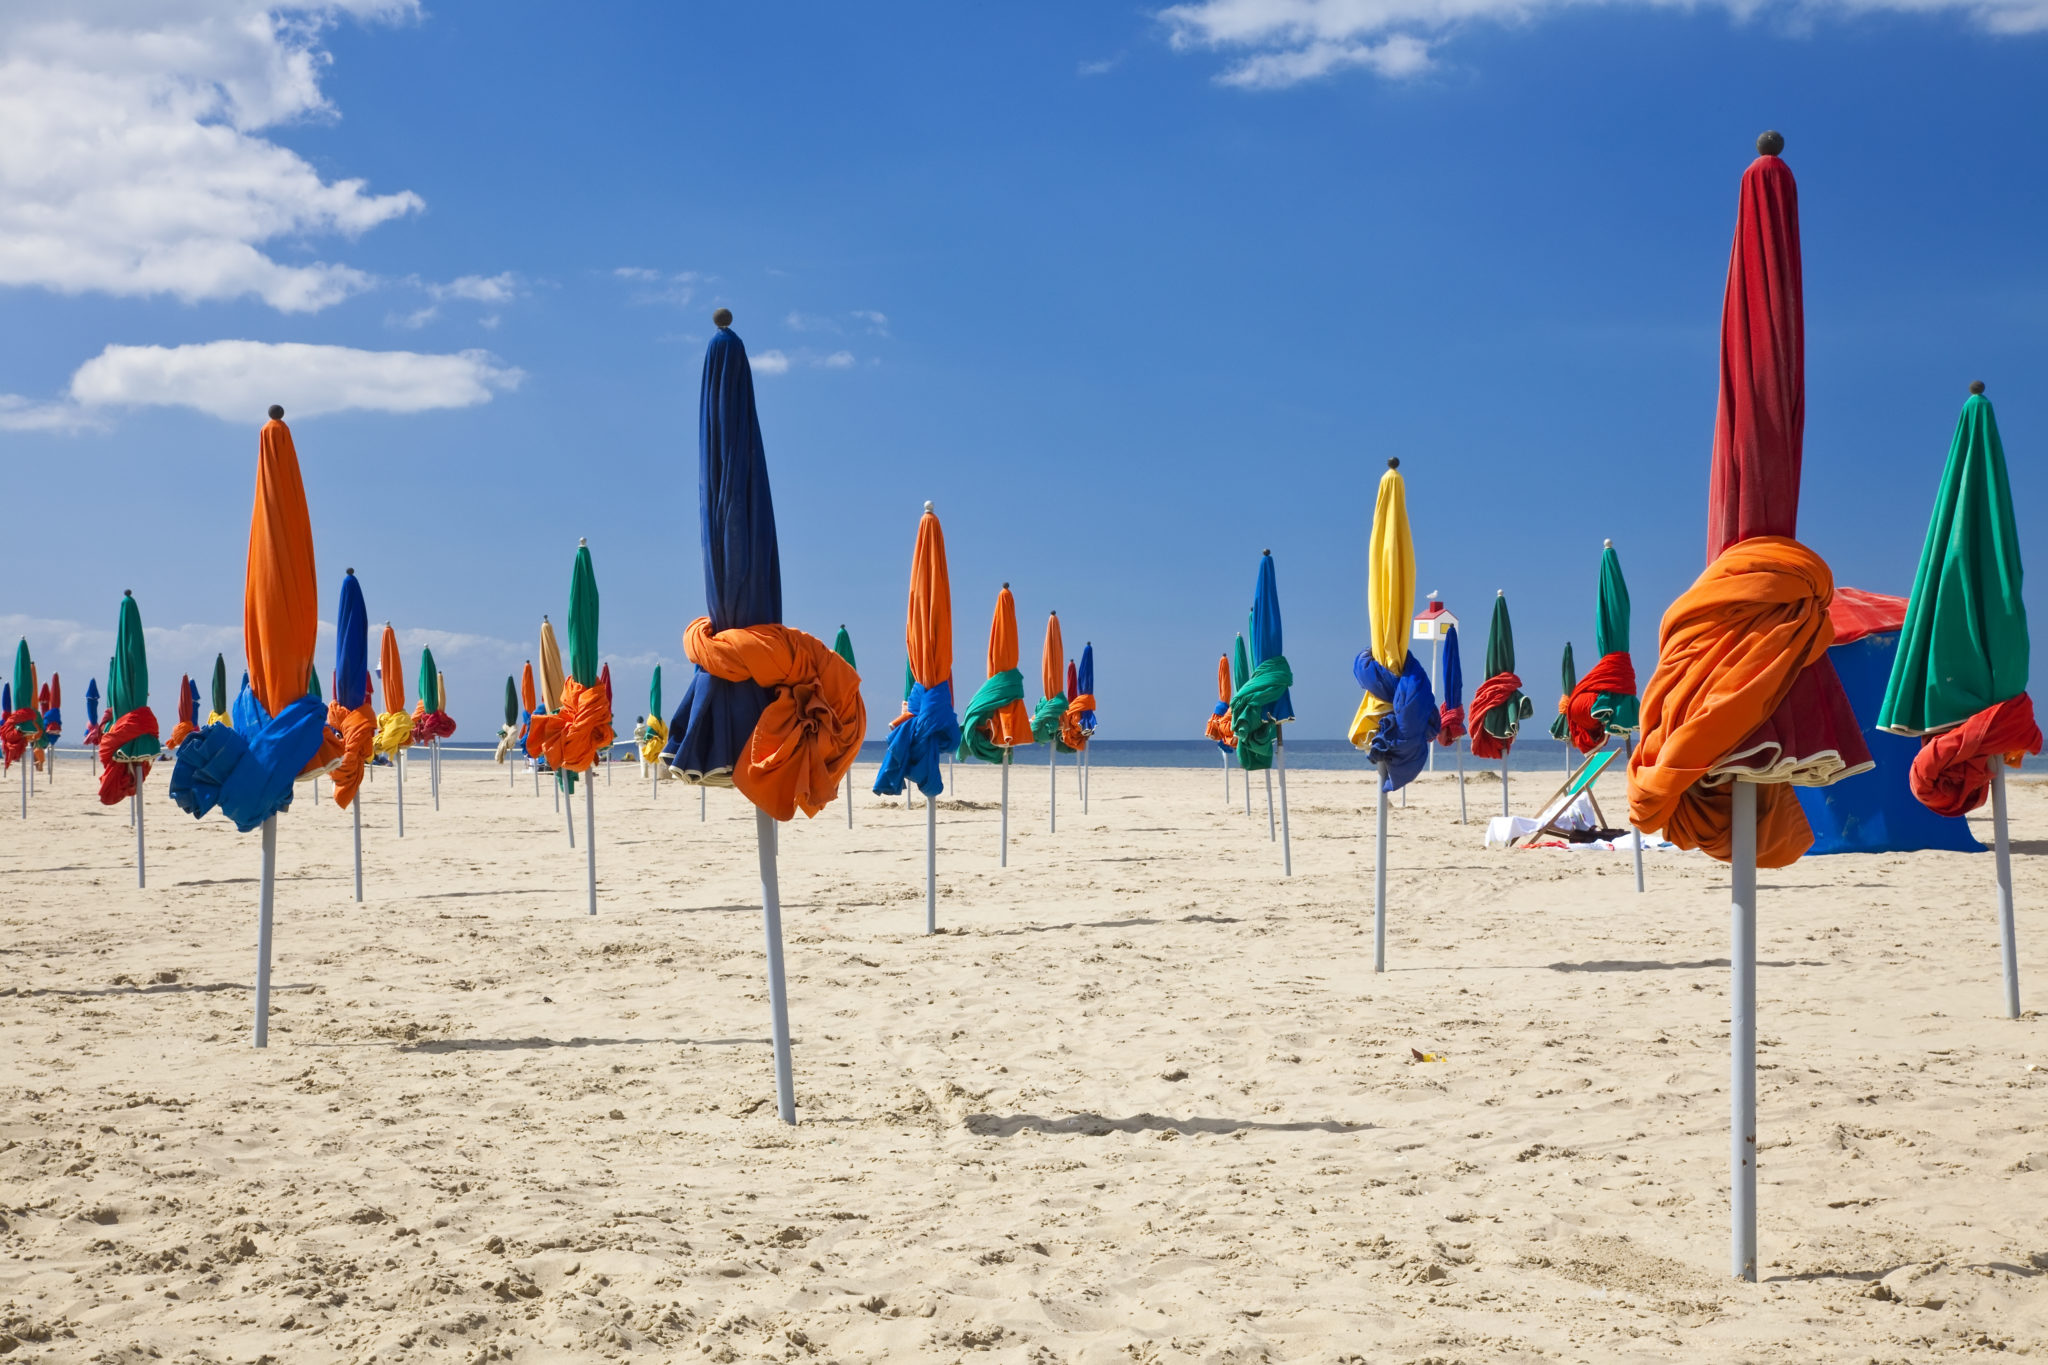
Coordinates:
<point>1141,1100</point>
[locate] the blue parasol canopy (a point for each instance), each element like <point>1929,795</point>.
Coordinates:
<point>1085,677</point>
<point>192,691</point>
<point>1265,637</point>
<point>351,646</point>
<point>92,702</point>
<point>742,564</point>
<point>1454,672</point>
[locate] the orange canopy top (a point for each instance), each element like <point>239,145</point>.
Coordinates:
<point>393,669</point>
<point>1052,666</point>
<point>280,596</point>
<point>1223,678</point>
<point>526,693</point>
<point>928,625</point>
<point>1002,634</point>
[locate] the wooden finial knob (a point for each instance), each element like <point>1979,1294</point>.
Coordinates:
<point>1976,386</point>
<point>722,318</point>
<point>276,412</point>
<point>1770,142</point>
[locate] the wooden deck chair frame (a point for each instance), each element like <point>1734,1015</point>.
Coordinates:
<point>1561,800</point>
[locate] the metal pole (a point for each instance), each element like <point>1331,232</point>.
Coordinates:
<point>1271,829</point>
<point>356,806</point>
<point>703,796</point>
<point>1052,768</point>
<point>567,808</point>
<point>1224,754</point>
<point>1742,1035</point>
<point>590,837</point>
<point>1084,780</point>
<point>26,763</point>
<point>1379,880</point>
<point>1504,784</point>
<point>778,995</point>
<point>141,855</point>
<point>1628,749</point>
<point>1005,856</point>
<point>536,776</point>
<point>2008,940</point>
<point>1286,843</point>
<point>1458,751</point>
<point>265,896</point>
<point>398,765</point>
<point>434,768</point>
<point>1436,649</point>
<point>849,798</point>
<point>931,864</point>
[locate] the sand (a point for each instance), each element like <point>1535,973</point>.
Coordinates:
<point>1142,1100</point>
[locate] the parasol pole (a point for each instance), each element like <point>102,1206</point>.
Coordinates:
<point>1628,749</point>
<point>141,856</point>
<point>568,808</point>
<point>931,864</point>
<point>1225,756</point>
<point>356,806</point>
<point>1005,854</point>
<point>778,994</point>
<point>398,766</point>
<point>590,837</point>
<point>434,768</point>
<point>27,763</point>
<point>1084,779</point>
<point>1379,880</point>
<point>1742,1035</point>
<point>1280,762</point>
<point>535,768</point>
<point>849,798</point>
<point>1504,784</point>
<point>1247,796</point>
<point>265,898</point>
<point>1270,834</point>
<point>1052,768</point>
<point>2008,941</point>
<point>703,796</point>
<point>1436,649</point>
<point>1458,751</point>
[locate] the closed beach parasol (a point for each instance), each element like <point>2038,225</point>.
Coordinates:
<point>842,645</point>
<point>249,772</point>
<point>1604,702</point>
<point>217,711</point>
<point>1960,675</point>
<point>1263,701</point>
<point>50,700</point>
<point>655,733</point>
<point>1498,705</point>
<point>771,711</point>
<point>394,723</point>
<point>352,711</point>
<point>91,738</point>
<point>572,735</point>
<point>1560,724</point>
<point>1240,671</point>
<point>1052,712</point>
<point>1218,726</point>
<point>927,730</point>
<point>431,722</point>
<point>1743,702</point>
<point>550,667</point>
<point>508,729</point>
<point>1451,713</point>
<point>129,741</point>
<point>1397,718</point>
<point>188,713</point>
<point>19,720</point>
<point>997,721</point>
<point>1078,728</point>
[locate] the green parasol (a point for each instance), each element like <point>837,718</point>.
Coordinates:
<point>512,697</point>
<point>1620,711</point>
<point>220,685</point>
<point>1964,646</point>
<point>1560,728</point>
<point>1240,665</point>
<point>429,682</point>
<point>1502,720</point>
<point>583,618</point>
<point>128,677</point>
<point>842,645</point>
<point>24,677</point>
<point>313,685</point>
<point>654,695</point>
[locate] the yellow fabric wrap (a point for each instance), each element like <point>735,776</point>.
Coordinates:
<point>219,718</point>
<point>394,732</point>
<point>1389,596</point>
<point>655,740</point>
<point>507,734</point>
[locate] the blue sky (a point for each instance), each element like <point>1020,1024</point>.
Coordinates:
<point>1129,293</point>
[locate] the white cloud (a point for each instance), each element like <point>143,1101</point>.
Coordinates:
<point>769,362</point>
<point>661,286</point>
<point>1099,68</point>
<point>807,322</point>
<point>1279,43</point>
<point>636,272</point>
<point>25,414</point>
<point>132,160</point>
<point>838,360</point>
<point>878,323</point>
<point>237,380</point>
<point>500,288</point>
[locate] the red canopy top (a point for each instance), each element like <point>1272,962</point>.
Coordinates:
<point>1761,424</point>
<point>1856,613</point>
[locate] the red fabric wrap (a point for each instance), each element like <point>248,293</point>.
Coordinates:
<point>1951,775</point>
<point>118,778</point>
<point>1495,691</point>
<point>13,737</point>
<point>430,725</point>
<point>1453,730</point>
<point>1615,673</point>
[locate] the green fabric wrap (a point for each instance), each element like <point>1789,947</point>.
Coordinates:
<point>1560,728</point>
<point>583,619</point>
<point>842,645</point>
<point>989,698</point>
<point>1964,647</point>
<point>128,678</point>
<point>1045,722</point>
<point>429,688</point>
<point>1257,730</point>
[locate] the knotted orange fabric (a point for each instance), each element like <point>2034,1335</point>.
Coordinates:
<point>570,739</point>
<point>811,731</point>
<point>1950,774</point>
<point>358,741</point>
<point>1218,727</point>
<point>1071,733</point>
<point>1728,652</point>
<point>117,778</point>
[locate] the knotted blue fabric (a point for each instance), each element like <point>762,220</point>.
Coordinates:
<point>248,770</point>
<point>1400,746</point>
<point>916,745</point>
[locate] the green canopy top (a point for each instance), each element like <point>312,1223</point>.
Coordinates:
<point>1964,645</point>
<point>128,676</point>
<point>1560,728</point>
<point>1610,632</point>
<point>1500,639</point>
<point>220,684</point>
<point>1240,665</point>
<point>842,645</point>
<point>654,696</point>
<point>583,618</point>
<point>313,684</point>
<point>430,682</point>
<point>24,678</point>
<point>909,680</point>
<point>512,697</point>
